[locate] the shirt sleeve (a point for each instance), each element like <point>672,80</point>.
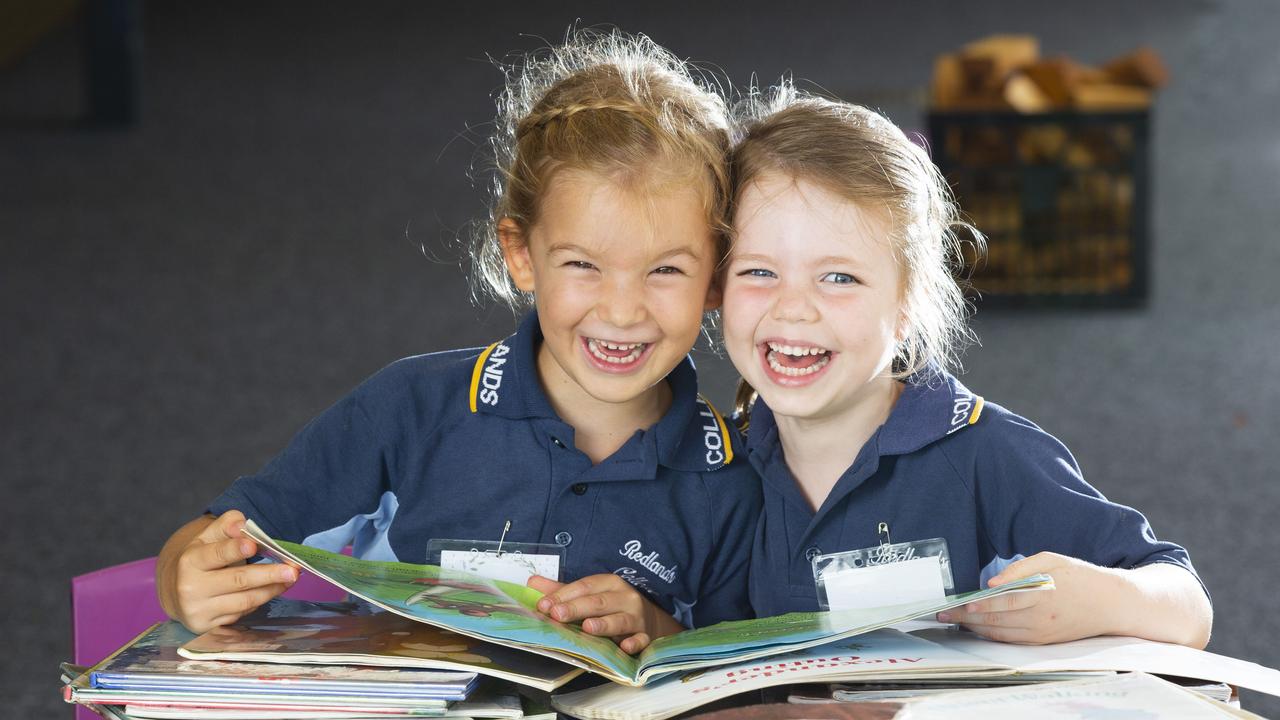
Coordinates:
<point>1032,498</point>
<point>736,507</point>
<point>334,469</point>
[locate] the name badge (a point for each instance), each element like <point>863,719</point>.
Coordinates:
<point>887,574</point>
<point>509,561</point>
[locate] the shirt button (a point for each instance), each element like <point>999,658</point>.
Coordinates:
<point>812,553</point>
<point>563,538</point>
<point>579,488</point>
<point>558,442</point>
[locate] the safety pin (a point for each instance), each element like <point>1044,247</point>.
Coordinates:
<point>505,528</point>
<point>883,531</point>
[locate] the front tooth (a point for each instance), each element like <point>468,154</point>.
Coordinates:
<point>619,346</point>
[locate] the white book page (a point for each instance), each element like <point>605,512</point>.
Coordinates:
<point>1113,653</point>
<point>1134,695</point>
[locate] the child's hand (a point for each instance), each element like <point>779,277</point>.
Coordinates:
<point>1079,605</point>
<point>608,606</point>
<point>207,583</point>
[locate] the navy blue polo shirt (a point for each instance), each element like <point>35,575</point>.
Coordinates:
<point>454,444</point>
<point>945,464</point>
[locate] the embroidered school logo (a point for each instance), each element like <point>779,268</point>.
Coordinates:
<point>965,410</point>
<point>631,575</point>
<point>714,437</point>
<point>651,561</point>
<point>491,377</point>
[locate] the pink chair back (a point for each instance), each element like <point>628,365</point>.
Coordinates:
<point>110,607</point>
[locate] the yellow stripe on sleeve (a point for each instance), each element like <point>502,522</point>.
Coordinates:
<point>475,375</point>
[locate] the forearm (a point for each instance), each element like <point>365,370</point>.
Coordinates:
<point>1161,602</point>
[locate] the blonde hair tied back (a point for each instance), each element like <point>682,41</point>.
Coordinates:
<point>605,102</point>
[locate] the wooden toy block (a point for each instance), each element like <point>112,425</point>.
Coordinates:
<point>1142,67</point>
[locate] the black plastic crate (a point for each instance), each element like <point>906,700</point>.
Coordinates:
<point>1062,198</point>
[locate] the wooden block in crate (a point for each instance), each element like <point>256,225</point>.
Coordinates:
<point>948,82</point>
<point>1022,94</point>
<point>1005,52</point>
<point>1142,67</point>
<point>1057,77</point>
<point>980,84</point>
<point>1110,96</point>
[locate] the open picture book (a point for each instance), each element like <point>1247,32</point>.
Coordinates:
<point>506,614</point>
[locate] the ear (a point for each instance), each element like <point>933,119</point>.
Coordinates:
<point>515,251</point>
<point>903,329</point>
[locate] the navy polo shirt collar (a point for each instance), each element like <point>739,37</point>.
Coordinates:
<point>933,405</point>
<point>691,436</point>
<point>504,380</point>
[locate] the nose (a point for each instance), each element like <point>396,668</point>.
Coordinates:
<point>621,304</point>
<point>794,304</point>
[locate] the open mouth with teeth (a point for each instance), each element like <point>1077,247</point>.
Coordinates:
<point>792,364</point>
<point>615,356</point>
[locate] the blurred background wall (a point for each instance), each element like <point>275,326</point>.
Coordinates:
<point>179,296</point>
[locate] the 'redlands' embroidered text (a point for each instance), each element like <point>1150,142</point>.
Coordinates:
<point>633,551</point>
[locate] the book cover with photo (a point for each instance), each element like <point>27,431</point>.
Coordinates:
<point>303,632</point>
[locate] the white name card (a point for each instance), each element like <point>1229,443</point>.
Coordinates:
<point>893,583</point>
<point>514,567</point>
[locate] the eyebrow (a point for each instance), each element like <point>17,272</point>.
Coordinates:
<point>838,260</point>
<point>674,252</point>
<point>750,257</point>
<point>827,260</point>
<point>679,251</point>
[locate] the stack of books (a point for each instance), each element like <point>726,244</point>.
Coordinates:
<point>297,659</point>
<point>431,642</point>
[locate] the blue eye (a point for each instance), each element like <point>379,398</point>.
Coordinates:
<point>757,272</point>
<point>839,278</point>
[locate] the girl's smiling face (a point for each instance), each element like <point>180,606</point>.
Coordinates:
<point>621,276</point>
<point>812,298</point>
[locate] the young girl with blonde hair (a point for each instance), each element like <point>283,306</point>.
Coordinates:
<point>584,429</point>
<point>842,314</point>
